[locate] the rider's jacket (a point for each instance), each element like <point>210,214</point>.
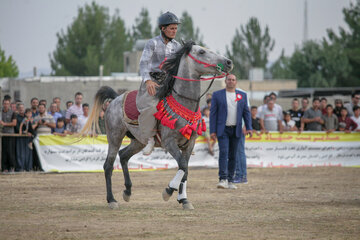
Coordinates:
<point>154,53</point>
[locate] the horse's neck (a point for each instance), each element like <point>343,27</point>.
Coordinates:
<point>187,89</point>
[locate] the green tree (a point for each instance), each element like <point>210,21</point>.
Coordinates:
<point>319,64</point>
<point>8,67</point>
<point>280,69</point>
<point>187,31</point>
<point>156,31</point>
<point>87,43</point>
<point>142,27</point>
<point>250,47</point>
<point>349,40</point>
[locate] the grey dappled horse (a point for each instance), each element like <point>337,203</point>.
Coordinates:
<point>187,93</point>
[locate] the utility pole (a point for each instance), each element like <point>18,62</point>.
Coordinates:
<point>305,37</point>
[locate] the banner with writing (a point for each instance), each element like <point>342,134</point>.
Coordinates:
<point>69,154</point>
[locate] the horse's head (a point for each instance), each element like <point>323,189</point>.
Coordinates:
<point>204,61</point>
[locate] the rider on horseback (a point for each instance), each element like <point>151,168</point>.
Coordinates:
<point>154,54</point>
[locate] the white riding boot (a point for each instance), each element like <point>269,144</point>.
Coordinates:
<point>149,147</point>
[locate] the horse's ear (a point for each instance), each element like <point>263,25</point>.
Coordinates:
<point>182,41</point>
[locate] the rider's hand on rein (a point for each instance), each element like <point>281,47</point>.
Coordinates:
<point>151,87</point>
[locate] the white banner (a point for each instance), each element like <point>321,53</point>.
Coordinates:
<point>67,154</point>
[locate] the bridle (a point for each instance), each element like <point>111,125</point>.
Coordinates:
<point>219,68</point>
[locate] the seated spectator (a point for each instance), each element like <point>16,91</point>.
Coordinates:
<point>312,117</point>
<point>346,124</point>
<point>83,118</point>
<point>288,124</point>
<point>53,112</point>
<point>206,134</point>
<point>102,122</point>
<point>296,113</point>
<point>60,127</point>
<point>338,106</point>
<point>44,122</point>
<point>26,147</point>
<point>356,117</point>
<point>255,121</point>
<point>270,119</point>
<point>73,126</point>
<point>323,104</point>
<point>331,121</point>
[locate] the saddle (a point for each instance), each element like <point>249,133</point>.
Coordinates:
<point>130,110</point>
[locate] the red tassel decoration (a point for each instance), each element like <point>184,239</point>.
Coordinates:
<point>172,123</point>
<point>203,125</point>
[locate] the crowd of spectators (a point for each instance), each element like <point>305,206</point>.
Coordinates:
<point>22,124</point>
<point>320,116</point>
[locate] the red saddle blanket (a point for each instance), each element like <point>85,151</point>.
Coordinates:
<point>131,112</point>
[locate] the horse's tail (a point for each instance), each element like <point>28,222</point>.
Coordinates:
<point>104,94</point>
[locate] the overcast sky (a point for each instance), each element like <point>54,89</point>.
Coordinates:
<point>28,27</point>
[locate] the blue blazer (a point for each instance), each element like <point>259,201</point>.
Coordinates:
<point>218,113</point>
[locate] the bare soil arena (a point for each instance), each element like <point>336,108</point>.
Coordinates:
<point>297,203</point>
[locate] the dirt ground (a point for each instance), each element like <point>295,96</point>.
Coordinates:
<point>298,203</point>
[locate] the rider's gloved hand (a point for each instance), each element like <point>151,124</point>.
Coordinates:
<point>151,87</point>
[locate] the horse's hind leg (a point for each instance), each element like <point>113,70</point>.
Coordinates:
<point>114,145</point>
<point>125,154</point>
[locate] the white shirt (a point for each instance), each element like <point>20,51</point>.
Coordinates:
<point>357,120</point>
<point>231,108</point>
<point>288,125</point>
<point>277,108</point>
<point>82,121</point>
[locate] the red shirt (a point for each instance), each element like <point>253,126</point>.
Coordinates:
<point>350,124</point>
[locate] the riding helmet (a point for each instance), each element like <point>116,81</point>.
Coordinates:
<point>168,18</point>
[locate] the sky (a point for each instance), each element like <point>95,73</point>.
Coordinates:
<point>28,28</point>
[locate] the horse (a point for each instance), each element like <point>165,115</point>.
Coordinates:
<point>180,87</point>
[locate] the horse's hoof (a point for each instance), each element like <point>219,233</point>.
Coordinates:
<point>113,205</point>
<point>188,206</point>
<point>165,195</point>
<point>126,197</point>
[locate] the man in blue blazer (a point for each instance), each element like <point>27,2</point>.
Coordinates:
<point>228,107</point>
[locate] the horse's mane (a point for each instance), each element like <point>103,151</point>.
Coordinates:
<point>171,67</point>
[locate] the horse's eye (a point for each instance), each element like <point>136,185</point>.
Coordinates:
<point>202,51</point>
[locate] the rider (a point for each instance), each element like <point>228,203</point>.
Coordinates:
<point>155,51</point>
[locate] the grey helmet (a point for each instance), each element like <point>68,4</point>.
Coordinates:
<point>168,18</point>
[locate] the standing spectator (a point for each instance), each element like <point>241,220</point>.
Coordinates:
<point>76,108</point>
<point>82,119</point>
<point>8,121</point>
<point>24,153</point>
<point>296,113</point>
<point>210,142</point>
<point>34,106</point>
<point>261,107</point>
<point>57,100</point>
<point>73,126</point>
<point>323,104</point>
<point>288,124</point>
<point>60,127</point>
<point>355,99</point>
<point>255,121</point>
<point>20,142</point>
<point>277,107</point>
<point>44,122</point>
<point>68,105</point>
<point>53,112</point>
<point>304,105</point>
<point>338,106</point>
<point>331,121</point>
<point>13,107</point>
<point>228,107</point>
<point>312,117</point>
<point>102,122</point>
<point>208,97</point>
<point>356,117</point>
<point>346,124</point>
<point>269,118</point>
<point>43,101</point>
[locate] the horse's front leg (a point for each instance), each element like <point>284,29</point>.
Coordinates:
<point>179,182</point>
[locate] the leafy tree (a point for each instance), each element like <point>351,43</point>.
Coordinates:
<point>8,67</point>
<point>156,31</point>
<point>87,43</point>
<point>280,69</point>
<point>187,31</point>
<point>349,40</point>
<point>142,27</point>
<point>250,47</point>
<point>319,64</point>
